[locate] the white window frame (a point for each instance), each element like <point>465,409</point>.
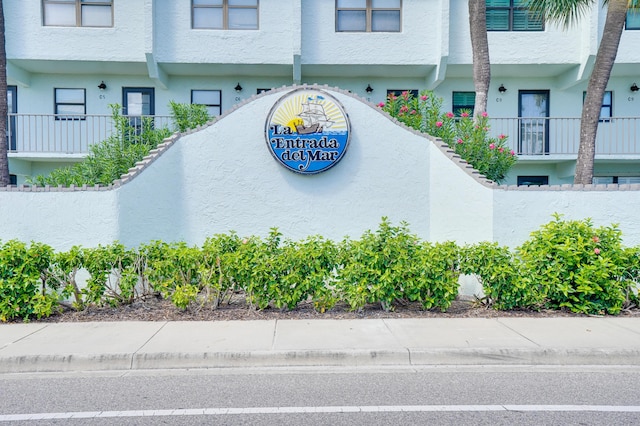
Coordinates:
<point>369,10</point>
<point>78,6</point>
<point>226,6</point>
<point>59,104</point>
<point>213,109</point>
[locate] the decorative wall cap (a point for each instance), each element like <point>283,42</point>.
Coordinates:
<point>573,187</point>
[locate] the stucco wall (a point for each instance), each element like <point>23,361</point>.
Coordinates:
<point>321,44</point>
<point>223,177</point>
<point>518,212</point>
<point>461,207</point>
<point>61,219</point>
<point>122,42</point>
<point>176,41</point>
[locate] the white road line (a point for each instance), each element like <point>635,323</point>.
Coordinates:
<point>329,409</point>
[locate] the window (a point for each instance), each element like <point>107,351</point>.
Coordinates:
<point>413,92</point>
<point>70,104</point>
<point>606,111</point>
<point>533,122</point>
<point>620,180</point>
<point>13,179</point>
<point>77,13</point>
<point>633,19</point>
<point>463,102</point>
<point>368,15</point>
<point>533,180</point>
<point>208,98</point>
<point>512,15</point>
<point>225,14</point>
<point>12,104</point>
<point>139,105</point>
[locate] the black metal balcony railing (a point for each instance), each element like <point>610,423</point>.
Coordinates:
<point>528,137</point>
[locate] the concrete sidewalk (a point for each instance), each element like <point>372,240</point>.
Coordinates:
<point>391,342</point>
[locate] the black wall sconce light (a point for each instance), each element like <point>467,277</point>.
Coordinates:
<point>502,89</point>
<point>238,88</point>
<point>102,85</point>
<point>634,87</point>
<point>369,89</point>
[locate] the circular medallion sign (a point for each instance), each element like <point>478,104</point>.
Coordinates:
<point>307,131</point>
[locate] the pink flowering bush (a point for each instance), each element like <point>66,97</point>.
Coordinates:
<point>489,155</point>
<point>468,138</point>
<point>565,264</point>
<point>570,264</point>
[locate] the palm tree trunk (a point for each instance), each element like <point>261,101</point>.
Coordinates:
<point>480,47</point>
<point>4,160</point>
<point>605,59</point>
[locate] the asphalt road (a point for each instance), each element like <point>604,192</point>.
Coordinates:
<point>335,396</point>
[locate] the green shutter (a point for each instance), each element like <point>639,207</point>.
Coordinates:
<point>523,20</point>
<point>498,3</point>
<point>463,101</point>
<point>498,20</point>
<point>464,98</point>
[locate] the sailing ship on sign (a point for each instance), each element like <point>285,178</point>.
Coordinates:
<point>313,116</point>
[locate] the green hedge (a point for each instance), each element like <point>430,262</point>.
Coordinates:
<point>569,265</point>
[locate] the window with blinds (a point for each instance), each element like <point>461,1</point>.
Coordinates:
<point>463,102</point>
<point>512,15</point>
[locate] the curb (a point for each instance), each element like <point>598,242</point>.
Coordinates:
<point>315,358</point>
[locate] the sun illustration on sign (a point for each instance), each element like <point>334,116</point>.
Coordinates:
<point>309,112</point>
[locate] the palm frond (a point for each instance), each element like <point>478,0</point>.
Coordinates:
<point>565,12</point>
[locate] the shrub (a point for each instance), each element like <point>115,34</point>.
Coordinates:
<point>114,275</point>
<point>437,272</point>
<point>190,275</point>
<point>188,116</point>
<point>376,267</point>
<point>23,281</point>
<point>283,273</point>
<point>564,265</point>
<point>576,266</point>
<point>130,142</point>
<point>217,282</point>
<point>631,276</point>
<point>62,274</point>
<point>174,270</point>
<point>469,138</point>
<point>498,270</point>
<point>308,273</point>
<point>255,269</point>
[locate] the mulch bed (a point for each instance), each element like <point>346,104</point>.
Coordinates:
<point>156,309</point>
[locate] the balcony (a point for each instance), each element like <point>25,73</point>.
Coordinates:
<point>33,135</point>
<point>533,138</point>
